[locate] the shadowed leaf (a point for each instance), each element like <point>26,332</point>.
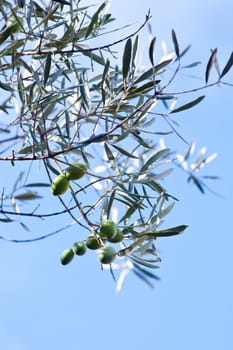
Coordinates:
<point>126,58</point>
<point>188,105</point>
<point>151,51</point>
<point>175,42</point>
<point>210,64</point>
<point>227,66</point>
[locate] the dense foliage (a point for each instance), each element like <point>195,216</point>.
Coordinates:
<point>87,117</point>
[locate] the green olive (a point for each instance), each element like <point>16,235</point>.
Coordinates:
<point>108,229</point>
<point>59,185</point>
<point>80,248</point>
<point>67,256</point>
<point>92,242</point>
<point>117,238</point>
<point>107,254</point>
<point>76,171</point>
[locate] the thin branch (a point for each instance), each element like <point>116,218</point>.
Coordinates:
<point>106,46</point>
<point>4,238</point>
<point>39,216</point>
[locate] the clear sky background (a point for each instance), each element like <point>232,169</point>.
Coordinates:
<point>46,306</point>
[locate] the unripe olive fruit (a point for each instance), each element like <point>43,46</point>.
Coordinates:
<point>59,185</point>
<point>108,229</point>
<point>67,256</point>
<point>117,238</point>
<point>80,248</point>
<point>76,171</point>
<point>92,242</point>
<point>14,23</point>
<point>107,254</point>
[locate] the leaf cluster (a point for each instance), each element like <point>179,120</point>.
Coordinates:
<point>77,101</point>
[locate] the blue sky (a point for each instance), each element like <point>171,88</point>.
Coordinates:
<point>44,305</point>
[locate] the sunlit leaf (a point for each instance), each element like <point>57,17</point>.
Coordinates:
<point>154,158</point>
<point>84,90</point>
<point>154,70</point>
<point>167,210</point>
<point>190,151</point>
<point>29,195</point>
<point>131,210</point>
<point>33,149</point>
<point>134,53</point>
<point>145,263</point>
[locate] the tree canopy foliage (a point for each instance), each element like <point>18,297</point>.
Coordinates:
<point>85,113</point>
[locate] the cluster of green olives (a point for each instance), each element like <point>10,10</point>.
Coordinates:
<point>61,183</point>
<point>108,231</point>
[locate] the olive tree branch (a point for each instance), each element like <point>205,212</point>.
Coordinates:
<point>106,46</point>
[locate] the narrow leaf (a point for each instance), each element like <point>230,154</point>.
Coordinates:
<point>21,3</point>
<point>6,87</point>
<point>154,70</point>
<point>5,34</point>
<point>134,54</point>
<point>126,58</point>
<point>109,152</point>
<point>210,64</point>
<point>170,231</point>
<point>188,105</point>
<point>154,158</point>
<point>27,196</point>
<point>6,220</point>
<point>93,56</point>
<point>106,70</point>
<point>95,19</point>
<point>151,51</point>
<point>144,262</point>
<point>197,183</point>
<point>190,150</point>
<point>38,184</point>
<point>64,2</point>
<point>85,92</point>
<point>227,66</point>
<point>175,43</point>
<point>143,278</point>
<point>123,151</point>
<point>142,90</point>
<point>47,68</point>
<point>131,210</point>
<point>191,65</point>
